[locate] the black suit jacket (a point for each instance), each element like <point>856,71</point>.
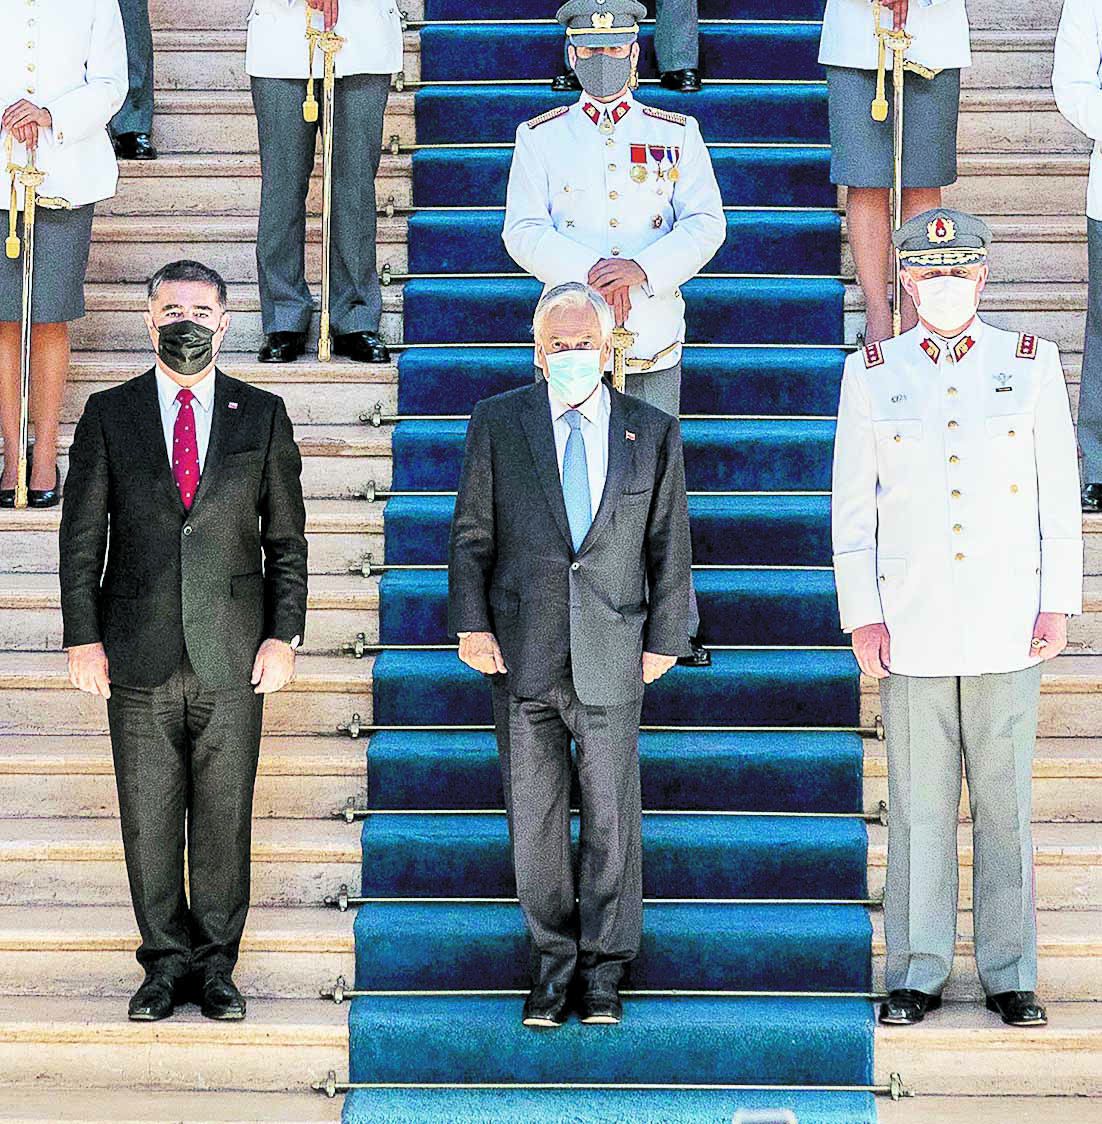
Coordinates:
<point>513,570</point>
<point>220,578</point>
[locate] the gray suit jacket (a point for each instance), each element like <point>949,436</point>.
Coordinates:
<point>513,570</point>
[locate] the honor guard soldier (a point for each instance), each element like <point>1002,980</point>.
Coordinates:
<point>617,194</point>
<point>132,126</point>
<point>276,60</point>
<point>862,149</point>
<point>958,554</point>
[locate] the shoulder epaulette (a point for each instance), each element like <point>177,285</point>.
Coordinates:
<point>874,355</point>
<point>550,115</point>
<point>665,115</point>
<point>1027,346</point>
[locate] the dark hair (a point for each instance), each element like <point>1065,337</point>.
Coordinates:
<point>187,271</point>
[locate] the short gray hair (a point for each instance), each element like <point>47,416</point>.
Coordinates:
<point>573,294</point>
<point>188,271</point>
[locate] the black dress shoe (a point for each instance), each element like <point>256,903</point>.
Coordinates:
<point>1092,499</point>
<point>134,146</point>
<point>601,1008</point>
<point>1018,1008</point>
<point>364,347</point>
<point>220,999</point>
<point>282,347</point>
<point>565,83</point>
<point>683,81</point>
<point>154,1000</point>
<point>699,657</point>
<point>905,1007</point>
<point>545,1007</point>
<point>46,497</point>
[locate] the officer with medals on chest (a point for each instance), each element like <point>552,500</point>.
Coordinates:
<point>620,195</point>
<point>958,554</point>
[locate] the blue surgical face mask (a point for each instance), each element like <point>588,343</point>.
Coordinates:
<point>573,375</point>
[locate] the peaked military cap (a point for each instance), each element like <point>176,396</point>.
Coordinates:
<point>942,237</point>
<point>601,23</point>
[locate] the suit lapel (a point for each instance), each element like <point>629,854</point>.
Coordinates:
<point>151,435</point>
<point>222,417</point>
<point>535,417</point>
<point>619,460</point>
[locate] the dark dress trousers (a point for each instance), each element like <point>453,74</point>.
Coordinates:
<point>181,600</point>
<point>572,629</point>
<point>136,114</point>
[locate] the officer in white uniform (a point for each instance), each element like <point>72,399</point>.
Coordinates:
<point>276,60</point>
<point>1077,84</point>
<point>958,553</point>
<point>862,150</point>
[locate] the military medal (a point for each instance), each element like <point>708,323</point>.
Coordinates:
<point>675,158</point>
<point>657,153</point>
<point>638,171</point>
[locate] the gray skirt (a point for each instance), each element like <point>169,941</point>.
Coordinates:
<point>62,241</point>
<point>861,148</point>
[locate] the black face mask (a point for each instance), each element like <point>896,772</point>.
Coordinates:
<point>185,347</point>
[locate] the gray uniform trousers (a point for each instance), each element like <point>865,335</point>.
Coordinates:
<point>661,389</point>
<point>676,35</point>
<point>287,155</point>
<point>185,766</point>
<point>1090,390</point>
<point>600,932</point>
<point>136,114</point>
<point>930,723</point>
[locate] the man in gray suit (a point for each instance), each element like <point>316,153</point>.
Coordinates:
<point>569,587</point>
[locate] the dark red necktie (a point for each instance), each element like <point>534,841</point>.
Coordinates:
<point>185,449</point>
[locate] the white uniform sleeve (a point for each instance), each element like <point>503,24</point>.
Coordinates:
<point>699,226</point>
<point>1075,79</point>
<point>1059,510</point>
<point>84,111</point>
<point>530,235</point>
<point>853,506</point>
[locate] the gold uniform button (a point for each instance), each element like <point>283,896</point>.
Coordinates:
<point>955,494</point>
<point>1013,489</point>
<point>613,222</point>
<point>614,195</point>
<point>957,528</point>
<point>954,425</point>
<point>30,66</point>
<point>954,459</point>
<point>952,392</point>
<point>30,89</point>
<point>612,167</point>
<point>960,557</point>
<point>615,251</point>
<point>566,187</point>
<point>898,437</point>
<point>1011,433</point>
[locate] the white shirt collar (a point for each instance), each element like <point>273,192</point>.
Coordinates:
<point>591,409</point>
<point>167,390</point>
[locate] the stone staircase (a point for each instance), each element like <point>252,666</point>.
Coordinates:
<point>66,931</point>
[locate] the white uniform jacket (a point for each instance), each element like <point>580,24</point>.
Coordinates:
<point>956,513</point>
<point>276,45</point>
<point>577,195</point>
<point>67,56</point>
<point>939,27</point>
<point>1077,82</point>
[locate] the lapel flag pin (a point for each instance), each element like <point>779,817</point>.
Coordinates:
<point>232,405</point>
<point>629,435</point>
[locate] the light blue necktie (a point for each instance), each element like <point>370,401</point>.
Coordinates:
<point>575,481</point>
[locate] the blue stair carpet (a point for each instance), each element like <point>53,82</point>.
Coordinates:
<point>715,770</point>
<point>726,530</point>
<point>767,901</point>
<point>596,1106</point>
<point>761,456</point>
<point>687,946</point>
<point>777,608</point>
<point>793,176</point>
<point>716,380</point>
<point>757,242</point>
<point>510,53</point>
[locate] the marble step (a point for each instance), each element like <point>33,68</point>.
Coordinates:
<point>88,950</point>
<point>341,532</point>
<point>121,1106</point>
<point>965,1050</point>
<point>35,696</point>
<point>73,776</point>
<point>282,1046</point>
<point>79,862</point>
<point>978,1109</point>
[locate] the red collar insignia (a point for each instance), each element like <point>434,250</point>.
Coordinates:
<point>591,111</point>
<point>874,355</point>
<point>932,350</point>
<point>963,347</point>
<point>620,112</point>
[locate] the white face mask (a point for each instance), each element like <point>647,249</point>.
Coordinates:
<point>947,303</point>
<point>573,375</point>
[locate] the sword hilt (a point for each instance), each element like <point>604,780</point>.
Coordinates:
<point>622,341</point>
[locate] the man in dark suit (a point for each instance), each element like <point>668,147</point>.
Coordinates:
<point>569,586</point>
<point>195,617</point>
